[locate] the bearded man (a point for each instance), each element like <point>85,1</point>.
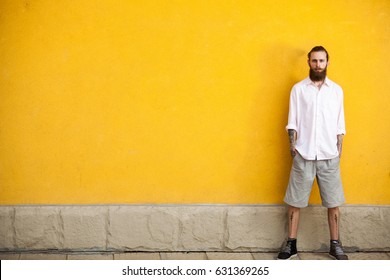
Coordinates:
<point>316,128</point>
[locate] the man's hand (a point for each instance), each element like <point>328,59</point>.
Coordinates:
<point>292,136</point>
<point>340,144</point>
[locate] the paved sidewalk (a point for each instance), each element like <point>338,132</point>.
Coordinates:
<point>180,256</point>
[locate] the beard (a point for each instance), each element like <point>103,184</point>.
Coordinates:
<point>316,76</point>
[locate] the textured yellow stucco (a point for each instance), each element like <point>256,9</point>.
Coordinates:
<point>181,101</point>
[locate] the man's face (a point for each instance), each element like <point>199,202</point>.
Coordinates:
<point>318,64</point>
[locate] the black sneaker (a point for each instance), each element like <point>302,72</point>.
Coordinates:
<point>336,251</point>
<point>289,250</point>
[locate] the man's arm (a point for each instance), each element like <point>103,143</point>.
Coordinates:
<point>340,143</point>
<point>292,137</point>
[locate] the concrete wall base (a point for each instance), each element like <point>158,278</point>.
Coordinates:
<point>258,228</point>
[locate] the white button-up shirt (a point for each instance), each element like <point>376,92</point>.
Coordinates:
<point>317,115</point>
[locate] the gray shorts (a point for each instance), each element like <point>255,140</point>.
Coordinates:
<point>302,177</point>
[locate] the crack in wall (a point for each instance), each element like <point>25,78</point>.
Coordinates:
<point>107,228</point>
<point>13,220</point>
<point>61,237</point>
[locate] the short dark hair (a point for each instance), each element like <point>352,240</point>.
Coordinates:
<point>318,49</point>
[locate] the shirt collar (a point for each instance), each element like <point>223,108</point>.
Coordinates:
<point>308,81</point>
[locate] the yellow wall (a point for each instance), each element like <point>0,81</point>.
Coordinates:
<point>181,101</point>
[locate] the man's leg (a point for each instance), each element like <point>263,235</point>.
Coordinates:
<point>290,248</point>
<point>332,194</point>
<point>293,221</point>
<point>333,221</point>
<point>336,250</point>
<point>298,191</point>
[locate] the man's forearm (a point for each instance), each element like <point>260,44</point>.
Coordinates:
<point>340,138</point>
<point>292,136</point>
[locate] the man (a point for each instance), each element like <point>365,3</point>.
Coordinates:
<point>316,128</point>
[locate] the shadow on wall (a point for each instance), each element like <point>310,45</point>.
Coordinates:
<point>280,67</point>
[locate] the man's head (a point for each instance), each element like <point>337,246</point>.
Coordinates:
<point>318,60</point>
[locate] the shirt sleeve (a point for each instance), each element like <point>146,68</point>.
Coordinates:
<point>293,112</point>
<point>341,120</point>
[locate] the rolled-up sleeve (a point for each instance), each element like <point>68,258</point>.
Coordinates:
<point>341,120</point>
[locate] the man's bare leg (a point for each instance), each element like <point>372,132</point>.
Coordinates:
<point>334,221</point>
<point>293,221</point>
<point>290,249</point>
<point>336,250</point>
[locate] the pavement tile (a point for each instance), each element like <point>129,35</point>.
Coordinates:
<point>9,256</point>
<point>183,256</point>
<point>369,256</point>
<point>229,256</point>
<point>272,256</point>
<point>314,256</point>
<point>42,256</point>
<point>137,256</point>
<point>90,256</point>
<point>264,256</point>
